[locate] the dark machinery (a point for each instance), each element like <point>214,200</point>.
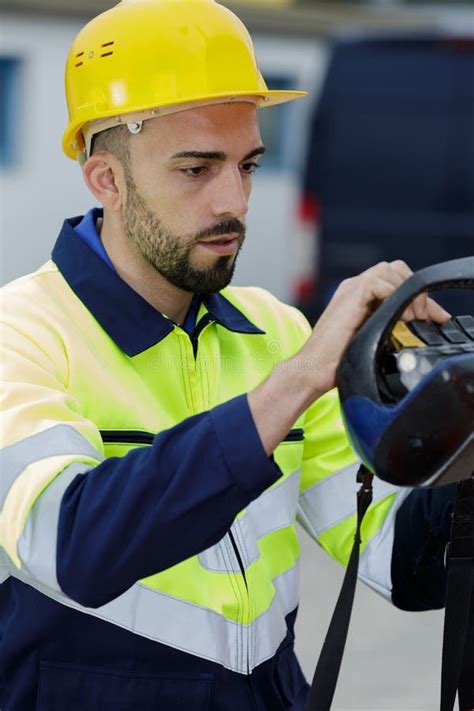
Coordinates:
<point>407,396</point>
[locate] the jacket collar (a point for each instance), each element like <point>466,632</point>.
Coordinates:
<point>129,320</point>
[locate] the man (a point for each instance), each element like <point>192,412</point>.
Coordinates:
<point>163,430</point>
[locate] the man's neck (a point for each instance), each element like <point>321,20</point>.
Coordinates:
<point>139,274</point>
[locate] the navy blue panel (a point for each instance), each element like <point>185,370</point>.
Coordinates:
<point>87,230</point>
<point>205,478</point>
<point>422,531</point>
<point>130,320</point>
<point>227,315</point>
<point>54,651</point>
<point>191,317</point>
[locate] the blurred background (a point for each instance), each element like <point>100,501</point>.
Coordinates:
<point>377,163</point>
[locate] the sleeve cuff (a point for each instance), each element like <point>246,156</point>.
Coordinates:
<point>242,448</point>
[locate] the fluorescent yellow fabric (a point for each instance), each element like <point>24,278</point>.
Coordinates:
<point>54,356</point>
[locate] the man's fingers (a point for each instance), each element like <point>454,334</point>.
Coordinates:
<point>401,268</point>
<point>436,312</point>
<point>408,315</point>
<point>379,282</point>
<point>426,310</point>
<point>422,307</point>
<point>379,289</point>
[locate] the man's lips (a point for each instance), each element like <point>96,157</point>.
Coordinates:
<point>222,244</point>
<point>220,238</point>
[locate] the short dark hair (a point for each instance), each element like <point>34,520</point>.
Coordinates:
<point>113,140</point>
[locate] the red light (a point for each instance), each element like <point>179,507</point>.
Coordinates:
<point>309,209</point>
<point>459,43</point>
<point>304,289</point>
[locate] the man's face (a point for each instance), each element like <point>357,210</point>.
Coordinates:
<point>188,185</point>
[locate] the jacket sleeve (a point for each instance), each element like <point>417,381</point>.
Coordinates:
<point>422,532</point>
<point>75,523</point>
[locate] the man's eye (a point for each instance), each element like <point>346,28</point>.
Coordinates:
<point>250,167</point>
<point>194,172</point>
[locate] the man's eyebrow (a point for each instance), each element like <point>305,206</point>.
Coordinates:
<point>256,152</point>
<point>215,155</point>
<point>206,155</point>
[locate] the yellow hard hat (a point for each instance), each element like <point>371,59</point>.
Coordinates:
<point>143,58</point>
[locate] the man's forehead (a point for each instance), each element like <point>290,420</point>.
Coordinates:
<point>225,119</point>
<point>192,129</point>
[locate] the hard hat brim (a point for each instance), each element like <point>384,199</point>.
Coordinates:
<point>73,141</point>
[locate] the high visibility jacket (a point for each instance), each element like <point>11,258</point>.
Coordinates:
<point>150,555</point>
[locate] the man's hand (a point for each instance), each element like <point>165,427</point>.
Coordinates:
<point>353,302</point>
<point>296,383</point>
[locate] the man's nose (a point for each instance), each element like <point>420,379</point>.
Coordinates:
<point>230,197</point>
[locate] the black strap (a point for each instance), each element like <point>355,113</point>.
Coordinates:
<point>466,681</point>
<point>458,641</point>
<point>459,615</point>
<point>327,670</point>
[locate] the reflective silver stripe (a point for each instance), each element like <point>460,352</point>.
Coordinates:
<point>37,543</point>
<point>269,629</point>
<point>194,629</point>
<point>219,559</point>
<point>333,499</point>
<point>376,561</point>
<point>163,618</point>
<point>274,509</point>
<point>57,440</point>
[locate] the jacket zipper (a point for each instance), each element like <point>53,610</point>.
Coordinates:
<point>244,601</point>
<point>238,556</point>
<point>141,437</point>
<point>194,336</point>
<point>146,438</point>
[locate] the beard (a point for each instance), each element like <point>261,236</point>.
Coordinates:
<point>170,254</point>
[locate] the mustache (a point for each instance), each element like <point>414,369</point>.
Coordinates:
<point>223,228</point>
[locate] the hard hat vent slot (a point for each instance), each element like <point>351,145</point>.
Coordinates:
<point>107,44</point>
<point>79,64</point>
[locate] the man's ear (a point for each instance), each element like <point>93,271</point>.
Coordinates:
<point>104,176</point>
